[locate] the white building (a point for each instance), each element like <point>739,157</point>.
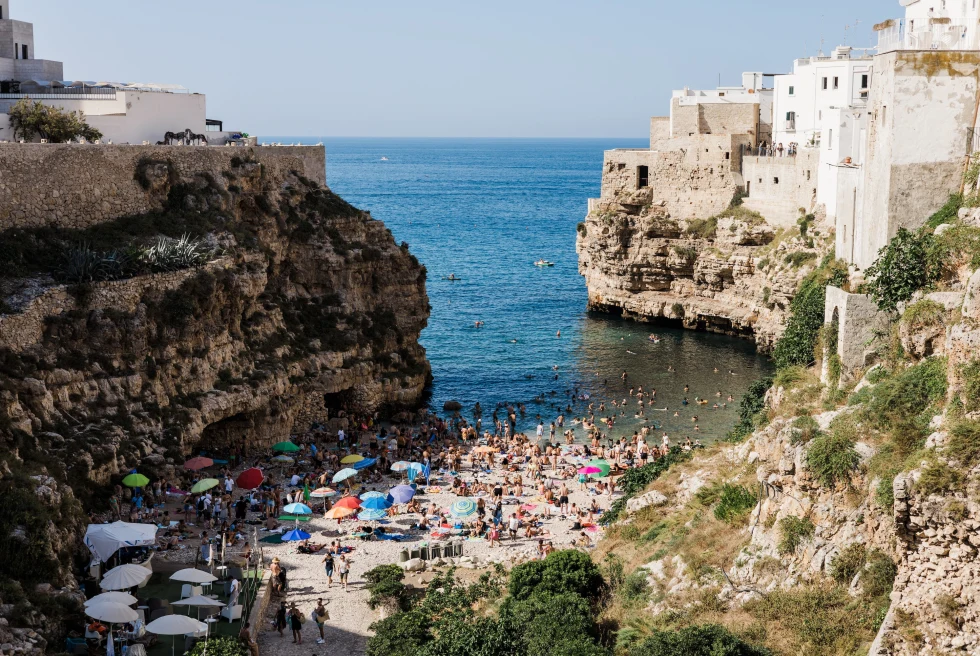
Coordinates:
<point>123,112</point>
<point>932,25</point>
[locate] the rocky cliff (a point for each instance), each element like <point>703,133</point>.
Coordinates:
<point>731,273</point>
<point>847,522</point>
<point>239,308</point>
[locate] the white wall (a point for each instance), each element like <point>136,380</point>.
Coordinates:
<point>134,116</point>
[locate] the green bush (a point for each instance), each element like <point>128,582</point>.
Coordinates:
<point>401,634</point>
<point>750,410</point>
<point>939,478</point>
<point>220,646</point>
<point>703,228</point>
<point>971,385</point>
<point>384,582</point>
<point>964,443</point>
<point>879,574</point>
<point>805,428</point>
<point>567,571</point>
<point>792,532</point>
<point>797,344</point>
<point>924,313</point>
<point>846,564</point>
<point>945,253</point>
<point>635,588</point>
<point>899,271</point>
<point>904,403</point>
<point>637,479</point>
<point>831,458</point>
<point>699,640</point>
<point>947,213</point>
<point>734,503</point>
<point>797,259</point>
<point>550,623</point>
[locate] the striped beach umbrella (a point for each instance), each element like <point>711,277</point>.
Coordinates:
<point>463,508</point>
<point>323,493</point>
<point>371,515</point>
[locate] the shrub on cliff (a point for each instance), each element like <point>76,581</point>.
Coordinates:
<point>219,646</point>
<point>750,410</point>
<point>636,479</point>
<point>899,271</point>
<point>797,344</point>
<point>562,571</point>
<point>792,532</point>
<point>701,640</point>
<point>31,119</point>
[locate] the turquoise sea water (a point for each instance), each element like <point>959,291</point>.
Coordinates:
<point>486,210</point>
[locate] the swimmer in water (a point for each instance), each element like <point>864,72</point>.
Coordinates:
<point>558,335</point>
<point>513,341</point>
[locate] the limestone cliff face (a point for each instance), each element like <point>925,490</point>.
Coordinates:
<point>729,274</point>
<point>302,308</point>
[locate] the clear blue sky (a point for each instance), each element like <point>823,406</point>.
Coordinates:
<point>505,68</point>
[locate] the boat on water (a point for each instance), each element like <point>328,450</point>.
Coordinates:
<point>384,159</point>
<point>452,277</point>
<point>544,263</point>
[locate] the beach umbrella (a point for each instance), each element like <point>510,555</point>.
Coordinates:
<point>250,478</point>
<point>285,447</point>
<point>400,466</point>
<point>198,463</point>
<point>352,458</point>
<point>295,535</point>
<point>364,464</point>
<point>402,493</point>
<point>123,598</point>
<point>349,502</point>
<point>589,469</point>
<point>371,514</point>
<point>204,485</point>
<point>199,600</point>
<point>322,492</point>
<point>602,465</point>
<point>124,577</point>
<point>343,475</point>
<point>135,480</point>
<point>372,494</point>
<point>378,503</point>
<point>339,512</point>
<point>112,612</point>
<point>191,575</point>
<point>413,471</point>
<point>175,625</point>
<point>463,508</point>
<point>298,509</point>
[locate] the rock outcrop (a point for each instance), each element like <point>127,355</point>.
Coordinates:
<point>732,274</point>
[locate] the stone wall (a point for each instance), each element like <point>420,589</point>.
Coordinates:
<point>858,320</point>
<point>779,186</point>
<point>690,118</point>
<point>659,132</point>
<point>77,186</point>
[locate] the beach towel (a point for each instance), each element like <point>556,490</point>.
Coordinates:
<point>293,518</point>
<point>272,539</point>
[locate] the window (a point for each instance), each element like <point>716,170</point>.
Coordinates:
<point>808,174</point>
<point>825,84</point>
<point>642,177</point>
<point>820,115</point>
<point>1,12</point>
<point>837,83</point>
<point>25,51</point>
<point>728,155</point>
<point>16,51</point>
<point>775,180</point>
<point>830,138</point>
<point>864,78</point>
<point>792,90</point>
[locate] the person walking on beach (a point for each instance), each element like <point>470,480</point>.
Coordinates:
<point>296,624</point>
<point>320,615</point>
<point>328,567</point>
<point>343,569</point>
<point>245,636</point>
<point>279,623</point>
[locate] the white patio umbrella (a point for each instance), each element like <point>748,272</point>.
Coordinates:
<point>191,575</point>
<point>124,577</point>
<point>123,598</point>
<point>175,625</point>
<point>112,612</point>
<point>200,601</point>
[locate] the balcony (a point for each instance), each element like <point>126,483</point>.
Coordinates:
<point>939,34</point>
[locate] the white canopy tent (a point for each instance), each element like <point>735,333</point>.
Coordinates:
<point>104,540</point>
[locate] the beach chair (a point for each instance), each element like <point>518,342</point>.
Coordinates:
<point>232,613</point>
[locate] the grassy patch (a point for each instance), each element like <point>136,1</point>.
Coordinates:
<point>831,457</point>
<point>793,531</point>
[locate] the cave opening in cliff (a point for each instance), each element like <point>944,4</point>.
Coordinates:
<point>337,401</point>
<point>230,433</point>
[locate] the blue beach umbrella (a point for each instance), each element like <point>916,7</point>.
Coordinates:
<point>298,509</point>
<point>364,464</point>
<point>344,474</point>
<point>371,514</point>
<point>402,493</point>
<point>372,494</point>
<point>414,470</point>
<point>378,503</point>
<point>295,535</point>
<point>400,466</point>
<point>463,508</point>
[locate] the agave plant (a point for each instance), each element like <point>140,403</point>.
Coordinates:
<point>169,254</point>
<point>84,264</point>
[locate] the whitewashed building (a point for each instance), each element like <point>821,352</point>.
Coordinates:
<point>123,112</point>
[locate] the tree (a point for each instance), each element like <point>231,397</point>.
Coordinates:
<point>561,572</point>
<point>31,119</point>
<point>899,271</point>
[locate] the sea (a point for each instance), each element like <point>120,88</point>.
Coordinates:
<point>484,211</point>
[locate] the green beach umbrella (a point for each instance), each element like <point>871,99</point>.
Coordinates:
<point>204,485</point>
<point>285,447</point>
<point>603,467</point>
<point>136,480</point>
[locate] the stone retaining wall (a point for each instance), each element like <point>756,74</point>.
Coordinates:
<point>77,186</point>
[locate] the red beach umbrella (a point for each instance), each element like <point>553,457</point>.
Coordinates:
<point>197,463</point>
<point>349,502</point>
<point>250,479</point>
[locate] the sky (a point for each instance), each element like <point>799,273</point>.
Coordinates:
<point>441,68</point>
